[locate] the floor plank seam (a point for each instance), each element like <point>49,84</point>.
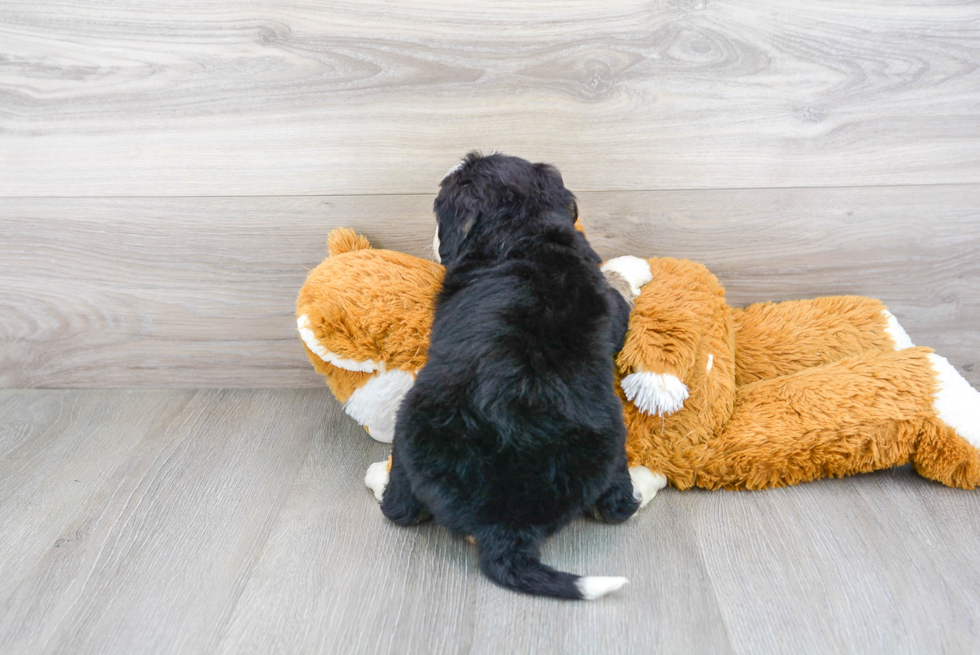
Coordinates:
<point>419,194</point>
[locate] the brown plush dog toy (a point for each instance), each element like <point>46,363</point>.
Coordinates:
<point>714,396</point>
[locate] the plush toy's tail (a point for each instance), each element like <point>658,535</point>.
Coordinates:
<point>344,240</point>
<point>510,558</point>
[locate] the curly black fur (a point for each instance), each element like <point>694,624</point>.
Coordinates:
<point>513,427</point>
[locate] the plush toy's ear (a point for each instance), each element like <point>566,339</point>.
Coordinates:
<point>344,240</point>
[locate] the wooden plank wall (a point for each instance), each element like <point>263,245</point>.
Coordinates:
<point>168,172</point>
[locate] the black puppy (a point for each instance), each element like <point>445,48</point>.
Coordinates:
<point>513,427</point>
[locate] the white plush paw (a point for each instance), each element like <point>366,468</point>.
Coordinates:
<point>377,479</point>
<point>655,394</point>
<point>635,270</point>
<point>646,484</point>
<point>385,434</point>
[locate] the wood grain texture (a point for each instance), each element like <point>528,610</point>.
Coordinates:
<point>58,452</point>
<point>860,565</point>
<point>237,522</point>
<point>199,292</point>
<point>174,498</point>
<point>286,97</point>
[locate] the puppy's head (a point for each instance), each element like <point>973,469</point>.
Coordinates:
<point>497,194</point>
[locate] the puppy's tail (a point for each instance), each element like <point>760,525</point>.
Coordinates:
<point>510,558</point>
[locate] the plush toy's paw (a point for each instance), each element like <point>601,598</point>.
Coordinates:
<point>377,479</point>
<point>646,484</point>
<point>635,270</point>
<point>653,393</point>
<point>384,434</point>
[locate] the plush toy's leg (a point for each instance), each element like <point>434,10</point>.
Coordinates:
<point>945,456</point>
<point>398,503</point>
<point>857,415</point>
<point>777,339</point>
<point>949,448</point>
<point>680,316</point>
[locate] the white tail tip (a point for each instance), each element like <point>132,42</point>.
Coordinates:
<point>593,587</point>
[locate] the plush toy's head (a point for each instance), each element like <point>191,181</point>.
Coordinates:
<point>364,316</point>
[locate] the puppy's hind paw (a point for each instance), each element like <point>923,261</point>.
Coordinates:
<point>646,484</point>
<point>376,479</point>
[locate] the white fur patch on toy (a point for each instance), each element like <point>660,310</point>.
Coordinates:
<point>635,270</point>
<point>896,331</point>
<point>955,402</point>
<point>306,334</point>
<point>655,394</point>
<point>376,403</point>
<point>594,586</point>
<point>646,484</point>
<point>376,479</point>
<point>711,362</point>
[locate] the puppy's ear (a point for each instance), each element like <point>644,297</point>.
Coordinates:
<point>456,214</point>
<point>555,191</point>
<point>550,175</point>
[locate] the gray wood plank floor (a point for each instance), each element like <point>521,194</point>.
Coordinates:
<point>237,522</point>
